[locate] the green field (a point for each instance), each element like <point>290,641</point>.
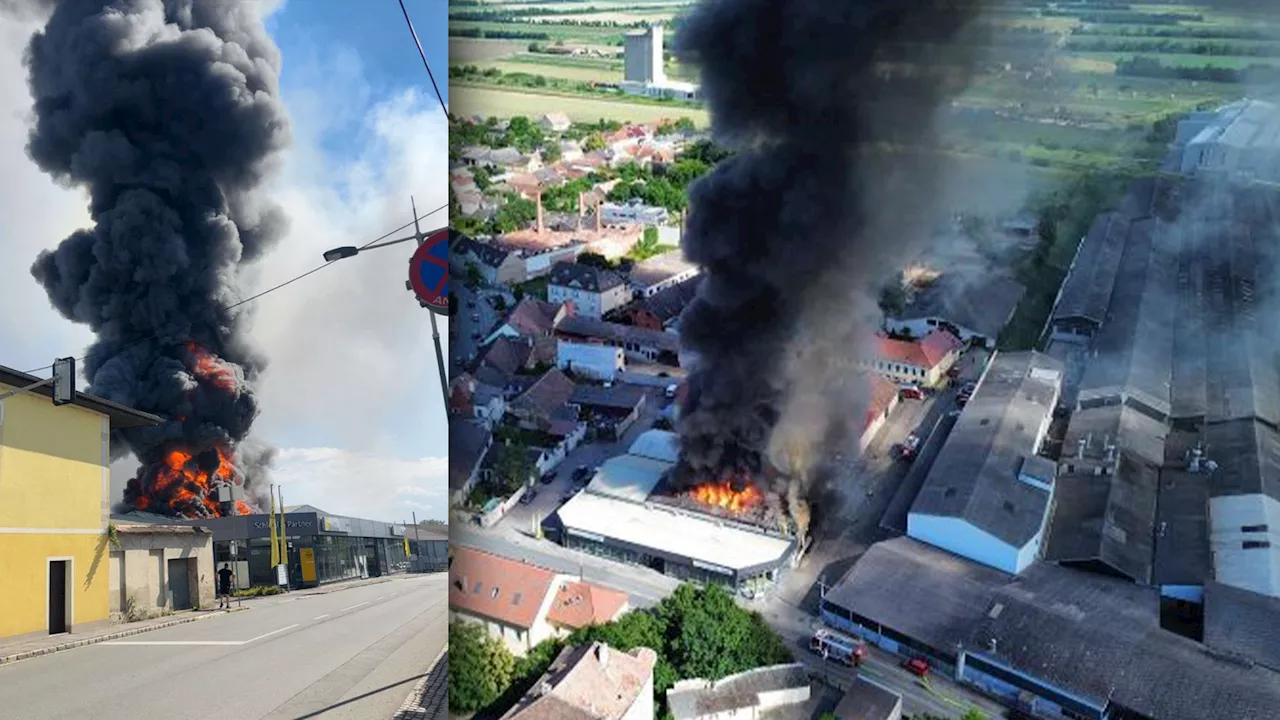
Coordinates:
<point>484,101</point>
<point>1181,60</point>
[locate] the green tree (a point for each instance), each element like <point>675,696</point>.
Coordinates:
<point>551,153</point>
<point>515,214</point>
<point>973,714</point>
<point>480,668</point>
<point>650,236</point>
<point>524,134</point>
<point>482,178</point>
<point>512,468</point>
<point>593,142</point>
<point>474,277</point>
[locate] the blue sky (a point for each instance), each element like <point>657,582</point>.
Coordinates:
<point>351,397</point>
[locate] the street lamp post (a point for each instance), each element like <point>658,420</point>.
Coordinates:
<point>418,236</point>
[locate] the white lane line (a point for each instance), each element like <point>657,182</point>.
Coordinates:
<point>174,642</point>
<point>273,632</point>
<point>353,607</point>
<point>320,617</point>
<point>379,598</point>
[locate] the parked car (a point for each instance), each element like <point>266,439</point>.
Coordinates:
<point>581,473</point>
<point>671,390</point>
<point>471,303</point>
<point>911,392</point>
<point>475,317</point>
<point>547,477</point>
<point>910,445</point>
<point>917,666</point>
<point>528,496</point>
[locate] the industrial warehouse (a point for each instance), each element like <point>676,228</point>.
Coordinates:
<point>1132,571</point>
<point>625,513</point>
<point>323,547</point>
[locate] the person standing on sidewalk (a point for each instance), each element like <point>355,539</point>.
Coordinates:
<point>224,586</point>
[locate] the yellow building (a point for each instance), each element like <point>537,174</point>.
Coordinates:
<point>54,506</point>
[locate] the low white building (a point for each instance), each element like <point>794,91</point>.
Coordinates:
<point>660,272</point>
<point>987,495</point>
<point>597,362</point>
<point>1240,140</point>
<point>633,212</point>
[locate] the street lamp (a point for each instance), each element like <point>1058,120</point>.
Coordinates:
<point>340,253</point>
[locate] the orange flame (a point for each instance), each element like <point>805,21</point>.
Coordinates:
<point>722,495</point>
<point>187,489</point>
<point>211,368</point>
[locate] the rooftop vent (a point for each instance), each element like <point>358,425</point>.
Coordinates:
<point>1008,506</point>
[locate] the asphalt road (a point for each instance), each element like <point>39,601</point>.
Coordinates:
<point>352,654</point>
<point>461,344</point>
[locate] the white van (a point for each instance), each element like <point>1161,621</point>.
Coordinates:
<point>671,391</point>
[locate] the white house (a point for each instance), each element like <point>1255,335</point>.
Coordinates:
<point>592,291</point>
<point>987,495</point>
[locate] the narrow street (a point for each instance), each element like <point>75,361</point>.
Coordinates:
<point>353,654</point>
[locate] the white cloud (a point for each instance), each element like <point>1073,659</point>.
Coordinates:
<point>363,485</point>
<point>352,362</point>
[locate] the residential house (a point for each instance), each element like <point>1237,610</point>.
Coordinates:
<point>750,695</point>
<point>495,265</point>
<point>555,122</point>
<point>476,156</point>
<point>592,682</point>
<point>639,344</point>
<point>921,362</point>
<point>54,506</point>
<point>538,262</point>
<point>611,410</point>
<point>512,160</point>
<point>652,276</point>
<point>523,604</point>
<point>661,311</point>
<point>975,312</point>
<point>549,177</point>
<point>535,407</point>
<point>472,399</point>
<point>570,150</point>
<point>592,291</point>
<point>530,317</point>
<point>468,443</point>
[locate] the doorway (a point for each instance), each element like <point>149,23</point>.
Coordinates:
<point>179,584</point>
<point>59,596</point>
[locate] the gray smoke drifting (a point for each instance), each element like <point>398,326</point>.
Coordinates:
<point>816,205</point>
<point>168,113</point>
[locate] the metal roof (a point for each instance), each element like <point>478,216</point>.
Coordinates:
<point>1086,292</point>
<point>975,476</point>
<point>1107,519</point>
<point>630,477</point>
<point>1242,623</point>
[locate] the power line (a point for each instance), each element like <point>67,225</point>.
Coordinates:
<point>425,64</point>
<point>272,289</point>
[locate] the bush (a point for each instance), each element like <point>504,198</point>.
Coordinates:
<point>480,668</point>
<point>259,591</point>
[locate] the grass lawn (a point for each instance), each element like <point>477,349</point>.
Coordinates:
<point>474,50</point>
<point>508,102</point>
<point>1177,60</point>
<point>567,33</point>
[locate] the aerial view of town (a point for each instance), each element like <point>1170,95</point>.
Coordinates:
<point>864,360</point>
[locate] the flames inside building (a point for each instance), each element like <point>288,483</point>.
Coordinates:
<point>636,508</point>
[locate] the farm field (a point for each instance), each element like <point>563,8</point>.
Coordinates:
<point>473,100</point>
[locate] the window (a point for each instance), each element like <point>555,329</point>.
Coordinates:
<point>1254,528</point>
<point>1256,544</point>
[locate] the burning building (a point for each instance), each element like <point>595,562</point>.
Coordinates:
<point>168,116</point>
<point>711,532</point>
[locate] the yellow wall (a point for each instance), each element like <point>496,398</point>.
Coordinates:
<point>24,567</point>
<point>53,477</point>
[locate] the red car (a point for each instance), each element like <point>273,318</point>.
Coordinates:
<point>917,666</point>
<point>911,392</point>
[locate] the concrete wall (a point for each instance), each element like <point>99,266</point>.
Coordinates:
<point>142,566</point>
<point>957,536</point>
<point>53,508</point>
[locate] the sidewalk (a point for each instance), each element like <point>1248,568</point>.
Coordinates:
<point>29,646</point>
<point>429,698</point>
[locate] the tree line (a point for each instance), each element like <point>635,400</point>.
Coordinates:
<point>1214,33</point>
<point>1126,18</point>
<point>1171,46</point>
<point>1141,66</point>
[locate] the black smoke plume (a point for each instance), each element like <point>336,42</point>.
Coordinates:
<point>167,112</point>
<point>817,98</point>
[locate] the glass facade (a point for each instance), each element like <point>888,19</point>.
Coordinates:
<point>337,557</point>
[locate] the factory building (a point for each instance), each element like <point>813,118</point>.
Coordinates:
<point>643,73</point>
<point>54,480</point>
<point>1240,141</point>
<point>623,514</point>
<point>987,495</point>
<point>1055,642</point>
<point>1170,473</point>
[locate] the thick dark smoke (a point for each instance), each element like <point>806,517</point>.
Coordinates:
<point>167,113</point>
<point>811,210</point>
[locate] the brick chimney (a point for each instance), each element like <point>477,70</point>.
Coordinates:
<point>540,224</point>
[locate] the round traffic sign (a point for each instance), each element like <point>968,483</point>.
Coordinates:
<point>429,272</point>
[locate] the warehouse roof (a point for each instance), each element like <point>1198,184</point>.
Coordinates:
<point>975,476</point>
<point>630,477</point>
<point>661,445</point>
<point>1107,519</point>
<point>981,306</point>
<point>1242,623</point>
<point>576,325</point>
<point>660,268</point>
<point>678,534</point>
<point>1086,292</point>
<point>1092,636</point>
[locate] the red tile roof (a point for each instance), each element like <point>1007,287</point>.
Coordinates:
<point>495,587</point>
<point>883,393</point>
<point>923,354</point>
<point>579,604</point>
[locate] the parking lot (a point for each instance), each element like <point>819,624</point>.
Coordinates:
<point>550,496</point>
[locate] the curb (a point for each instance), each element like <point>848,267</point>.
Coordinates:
<point>6,659</point>
<point>422,704</point>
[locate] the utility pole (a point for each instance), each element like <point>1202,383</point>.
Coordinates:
<point>435,329</point>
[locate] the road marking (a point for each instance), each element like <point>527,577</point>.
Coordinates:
<point>353,607</point>
<point>379,598</point>
<point>174,642</point>
<point>273,632</point>
<point>320,617</point>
